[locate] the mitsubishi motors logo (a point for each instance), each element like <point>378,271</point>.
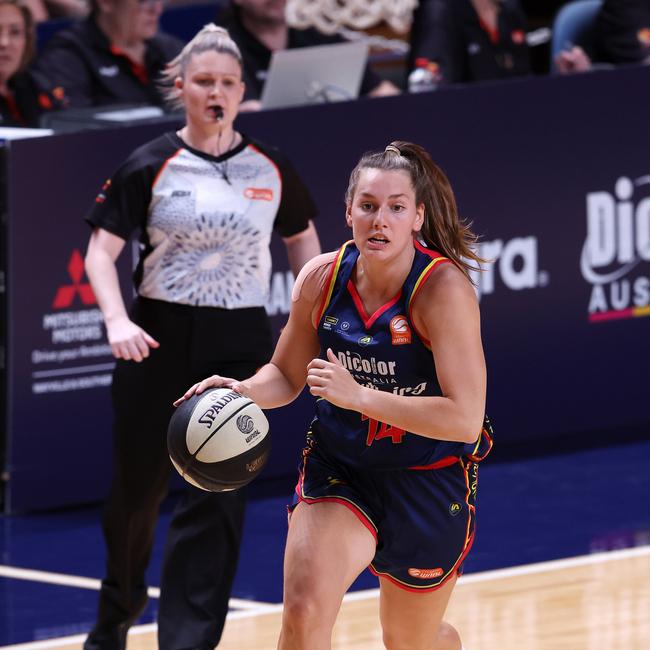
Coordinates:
<point>65,294</point>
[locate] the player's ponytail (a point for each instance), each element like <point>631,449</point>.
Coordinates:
<point>443,229</point>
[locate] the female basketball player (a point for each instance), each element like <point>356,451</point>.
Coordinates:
<point>202,278</point>
<point>385,332</point>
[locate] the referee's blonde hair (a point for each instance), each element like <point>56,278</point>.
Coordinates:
<point>211,38</point>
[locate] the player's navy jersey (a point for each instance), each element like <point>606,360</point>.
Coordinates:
<point>382,351</point>
<point>205,221</point>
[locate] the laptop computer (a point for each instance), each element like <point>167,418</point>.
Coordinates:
<point>314,75</point>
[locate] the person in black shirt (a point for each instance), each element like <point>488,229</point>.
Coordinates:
<point>259,28</point>
<point>113,57</point>
<point>205,200</point>
<point>471,40</point>
<point>24,94</point>
<point>623,31</point>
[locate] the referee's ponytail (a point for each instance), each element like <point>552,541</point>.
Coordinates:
<point>443,229</point>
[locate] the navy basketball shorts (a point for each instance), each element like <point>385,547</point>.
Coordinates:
<point>422,520</point>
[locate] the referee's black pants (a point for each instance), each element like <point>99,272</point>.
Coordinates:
<point>202,546</point>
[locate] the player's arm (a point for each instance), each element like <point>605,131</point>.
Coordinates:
<point>281,380</point>
<point>127,340</point>
<point>446,312</point>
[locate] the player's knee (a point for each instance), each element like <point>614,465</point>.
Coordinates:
<point>399,636</point>
<point>400,639</point>
<point>304,612</point>
<point>448,637</point>
<point>298,618</point>
<point>300,610</point>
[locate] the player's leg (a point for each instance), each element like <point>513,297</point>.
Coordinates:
<point>426,535</point>
<point>413,621</point>
<point>327,548</point>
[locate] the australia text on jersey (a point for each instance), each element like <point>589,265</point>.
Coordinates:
<point>373,372</point>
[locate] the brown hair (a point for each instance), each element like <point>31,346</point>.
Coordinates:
<point>443,229</point>
<point>30,33</point>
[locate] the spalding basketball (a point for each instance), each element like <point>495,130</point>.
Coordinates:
<point>218,440</point>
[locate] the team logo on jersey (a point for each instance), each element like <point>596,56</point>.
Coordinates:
<point>259,193</point>
<point>345,326</point>
<point>455,508</point>
<point>329,322</point>
<point>365,340</point>
<point>426,574</point>
<point>400,330</point>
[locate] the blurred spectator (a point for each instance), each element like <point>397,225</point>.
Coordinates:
<point>43,10</point>
<point>471,40</point>
<point>259,27</point>
<point>623,31</point>
<point>24,95</point>
<point>113,57</point>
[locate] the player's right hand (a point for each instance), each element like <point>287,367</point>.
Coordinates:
<point>129,341</point>
<point>214,381</point>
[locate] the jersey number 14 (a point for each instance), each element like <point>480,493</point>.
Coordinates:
<point>378,430</point>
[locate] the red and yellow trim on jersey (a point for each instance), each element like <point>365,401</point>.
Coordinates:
<point>474,455</point>
<point>331,279</point>
<point>428,270</point>
<point>467,545</point>
<point>484,435</point>
<point>447,461</point>
<point>368,320</point>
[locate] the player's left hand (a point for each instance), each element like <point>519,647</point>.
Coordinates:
<point>331,381</point>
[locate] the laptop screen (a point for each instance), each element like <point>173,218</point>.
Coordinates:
<point>313,75</point>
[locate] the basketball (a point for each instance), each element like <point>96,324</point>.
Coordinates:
<point>218,440</point>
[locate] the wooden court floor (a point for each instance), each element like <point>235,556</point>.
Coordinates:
<point>594,602</point>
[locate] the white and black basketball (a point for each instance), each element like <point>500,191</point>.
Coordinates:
<point>218,440</point>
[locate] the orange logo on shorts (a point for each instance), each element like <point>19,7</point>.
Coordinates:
<point>258,193</point>
<point>400,330</point>
<point>425,574</point>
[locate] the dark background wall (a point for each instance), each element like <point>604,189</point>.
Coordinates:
<point>543,168</point>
